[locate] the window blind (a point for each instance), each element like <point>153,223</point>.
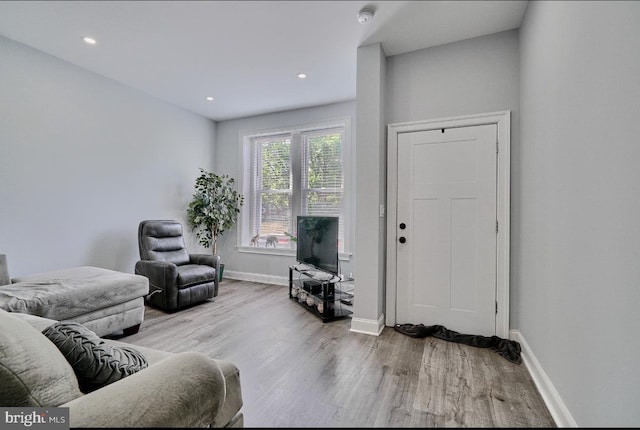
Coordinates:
<point>322,175</point>
<point>272,188</point>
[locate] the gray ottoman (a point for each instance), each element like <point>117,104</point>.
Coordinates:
<point>105,301</point>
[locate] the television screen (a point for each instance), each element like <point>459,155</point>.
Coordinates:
<point>318,242</point>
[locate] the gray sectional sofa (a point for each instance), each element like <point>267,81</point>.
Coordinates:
<point>181,390</point>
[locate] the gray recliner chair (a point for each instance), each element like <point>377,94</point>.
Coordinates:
<point>177,279</point>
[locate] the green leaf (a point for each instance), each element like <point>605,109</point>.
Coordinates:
<point>214,206</point>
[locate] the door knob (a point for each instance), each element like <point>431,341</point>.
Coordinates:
<point>402,226</point>
<point>402,239</point>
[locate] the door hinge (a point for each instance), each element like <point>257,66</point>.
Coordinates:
<point>496,226</point>
<point>497,147</point>
<point>496,306</point>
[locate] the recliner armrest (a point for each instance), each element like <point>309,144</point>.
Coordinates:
<point>208,259</point>
<point>163,279</point>
<point>161,274</point>
<point>184,390</point>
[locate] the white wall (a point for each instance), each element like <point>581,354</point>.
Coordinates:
<point>252,266</point>
<point>83,160</point>
<point>578,246</point>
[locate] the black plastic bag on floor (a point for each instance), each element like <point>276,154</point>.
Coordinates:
<point>509,349</point>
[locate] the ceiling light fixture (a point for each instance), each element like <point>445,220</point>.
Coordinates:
<point>89,40</point>
<point>365,15</point>
<point>209,98</point>
<point>302,75</point>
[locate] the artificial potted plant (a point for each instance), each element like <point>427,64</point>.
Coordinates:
<point>213,209</point>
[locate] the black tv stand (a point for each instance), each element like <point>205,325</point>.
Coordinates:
<point>318,293</point>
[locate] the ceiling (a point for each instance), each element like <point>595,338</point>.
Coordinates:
<point>244,54</point>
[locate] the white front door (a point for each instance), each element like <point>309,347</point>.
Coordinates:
<point>446,228</point>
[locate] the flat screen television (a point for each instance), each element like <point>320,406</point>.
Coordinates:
<point>317,244</point>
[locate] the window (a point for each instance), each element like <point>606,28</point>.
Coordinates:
<point>272,190</point>
<point>291,173</point>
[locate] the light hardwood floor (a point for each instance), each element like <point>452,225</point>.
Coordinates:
<point>299,372</point>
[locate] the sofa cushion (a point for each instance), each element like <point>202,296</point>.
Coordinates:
<point>33,373</point>
<point>95,362</point>
<point>39,323</point>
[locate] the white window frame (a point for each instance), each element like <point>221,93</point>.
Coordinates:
<point>245,180</point>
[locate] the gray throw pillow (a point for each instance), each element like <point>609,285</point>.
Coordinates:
<point>94,362</point>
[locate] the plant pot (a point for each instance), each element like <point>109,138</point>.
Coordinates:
<point>221,271</point>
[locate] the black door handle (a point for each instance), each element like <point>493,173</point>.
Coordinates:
<point>402,226</point>
<point>402,239</point>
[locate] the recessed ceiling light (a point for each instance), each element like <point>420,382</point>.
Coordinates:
<point>209,98</point>
<point>302,75</point>
<point>89,40</point>
<point>365,15</point>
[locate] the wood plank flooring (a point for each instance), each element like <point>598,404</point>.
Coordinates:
<point>299,372</point>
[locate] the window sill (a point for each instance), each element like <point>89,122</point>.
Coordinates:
<point>267,251</point>
<point>343,256</point>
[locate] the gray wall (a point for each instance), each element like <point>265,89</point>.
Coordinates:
<point>371,186</point>
<point>578,232</point>
<point>472,76</point>
<point>228,161</point>
<point>83,160</point>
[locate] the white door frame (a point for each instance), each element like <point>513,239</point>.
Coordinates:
<point>502,120</point>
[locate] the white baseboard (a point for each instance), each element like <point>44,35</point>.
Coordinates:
<point>372,327</point>
<point>256,277</point>
<point>551,398</point>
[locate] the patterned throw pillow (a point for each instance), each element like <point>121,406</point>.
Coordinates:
<point>94,362</point>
